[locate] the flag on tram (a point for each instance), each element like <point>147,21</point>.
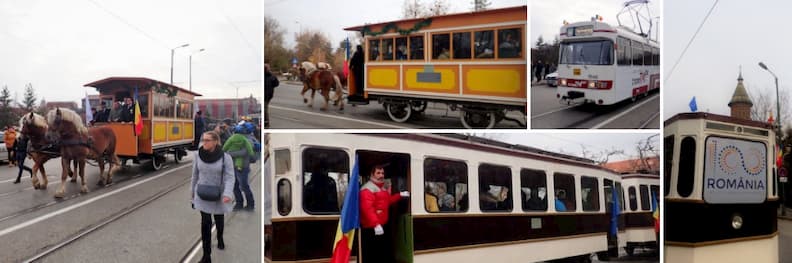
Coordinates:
<point>138,117</point>
<point>350,219</point>
<point>656,213</point>
<point>692,104</point>
<point>88,113</point>
<point>615,210</point>
<point>346,58</point>
<point>779,156</point>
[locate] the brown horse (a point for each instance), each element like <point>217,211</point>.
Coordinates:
<point>79,143</point>
<point>322,80</point>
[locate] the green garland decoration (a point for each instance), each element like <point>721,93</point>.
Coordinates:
<point>163,89</point>
<point>392,26</point>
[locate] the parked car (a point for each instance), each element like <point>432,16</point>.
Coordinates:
<point>3,150</point>
<point>552,79</point>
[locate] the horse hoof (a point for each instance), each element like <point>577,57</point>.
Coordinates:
<point>43,187</point>
<point>35,186</point>
<point>109,182</point>
<point>58,195</point>
<point>100,183</point>
<point>84,189</point>
<point>305,101</point>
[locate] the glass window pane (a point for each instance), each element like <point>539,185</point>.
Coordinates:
<point>564,192</point>
<point>440,46</point>
<point>387,49</point>
<point>284,197</point>
<point>624,52</point>
<point>637,53</point>
<point>646,204</point>
<point>620,194</point>
<point>533,188</point>
<point>687,166</point>
<point>416,47</point>
<point>494,188</point>
<point>589,193</point>
<point>461,45</point>
<point>509,43</point>
<point>401,48</point>
<point>607,190</point>
<point>325,179</point>
<point>445,186</point>
<point>655,191</point>
<point>587,53</point>
<point>484,44</point>
<point>668,159</point>
<point>374,49</point>
<point>633,198</point>
<point>282,161</point>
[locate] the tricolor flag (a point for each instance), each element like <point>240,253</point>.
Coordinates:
<point>615,210</point>
<point>779,156</point>
<point>346,58</point>
<point>138,117</point>
<point>656,213</point>
<point>88,113</point>
<point>350,219</point>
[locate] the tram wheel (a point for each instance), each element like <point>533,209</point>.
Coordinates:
<point>418,106</point>
<point>630,250</point>
<point>399,112</point>
<point>177,156</point>
<point>478,120</point>
<point>156,162</point>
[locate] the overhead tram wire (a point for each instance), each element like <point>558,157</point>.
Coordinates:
<point>239,32</point>
<point>671,71</point>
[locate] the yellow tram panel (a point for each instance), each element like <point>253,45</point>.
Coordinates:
<point>174,131</point>
<point>432,78</point>
<point>494,80</point>
<point>160,131</point>
<point>383,77</point>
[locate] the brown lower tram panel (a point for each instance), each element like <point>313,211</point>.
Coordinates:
<point>314,238</point>
<point>642,219</point>
<point>687,222</point>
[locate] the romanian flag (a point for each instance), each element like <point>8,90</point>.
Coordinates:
<point>656,213</point>
<point>779,157</point>
<point>350,219</point>
<point>346,58</point>
<point>138,117</point>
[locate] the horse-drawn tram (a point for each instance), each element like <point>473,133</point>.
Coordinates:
<point>531,205</point>
<point>720,192</point>
<point>474,62</point>
<point>167,116</point>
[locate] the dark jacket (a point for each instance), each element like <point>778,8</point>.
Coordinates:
<point>270,82</point>
<point>199,125</point>
<point>20,148</point>
<point>128,113</point>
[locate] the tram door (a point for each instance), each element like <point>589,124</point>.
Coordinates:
<point>612,210</point>
<point>398,230</point>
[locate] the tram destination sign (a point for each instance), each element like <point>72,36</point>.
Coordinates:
<point>735,171</point>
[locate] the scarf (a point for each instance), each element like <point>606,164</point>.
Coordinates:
<point>210,157</point>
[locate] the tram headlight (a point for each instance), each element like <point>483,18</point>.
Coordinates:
<point>737,221</point>
<point>592,84</point>
<point>563,82</point>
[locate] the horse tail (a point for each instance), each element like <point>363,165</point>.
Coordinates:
<point>339,87</point>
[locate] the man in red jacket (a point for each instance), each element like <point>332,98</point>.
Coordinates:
<point>375,200</point>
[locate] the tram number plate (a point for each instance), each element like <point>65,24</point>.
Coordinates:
<point>576,72</point>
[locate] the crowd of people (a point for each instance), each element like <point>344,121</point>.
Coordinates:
<point>120,112</point>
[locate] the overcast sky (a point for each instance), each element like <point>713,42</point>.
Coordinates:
<point>737,33</point>
<point>547,17</point>
<point>331,17</point>
<point>59,46</point>
<point>570,143</point>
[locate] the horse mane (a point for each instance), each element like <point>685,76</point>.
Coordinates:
<point>37,120</point>
<point>68,116</point>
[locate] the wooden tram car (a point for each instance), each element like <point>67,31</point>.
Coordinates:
<point>638,208</point>
<point>720,194</point>
<point>500,202</point>
<point>167,116</point>
<point>474,62</point>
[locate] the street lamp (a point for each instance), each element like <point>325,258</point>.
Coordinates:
<point>173,50</point>
<point>196,52</point>
<point>778,131</point>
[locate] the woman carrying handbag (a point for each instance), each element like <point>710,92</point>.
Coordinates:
<point>212,189</point>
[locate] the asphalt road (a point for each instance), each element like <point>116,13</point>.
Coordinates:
<point>784,240</point>
<point>145,216</point>
<point>548,113</point>
<point>287,111</point>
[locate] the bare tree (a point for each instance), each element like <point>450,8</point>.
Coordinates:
<point>764,103</point>
<point>479,5</point>
<point>439,7</point>
<point>601,157</point>
<point>417,9</point>
<point>314,46</point>
<point>647,148</point>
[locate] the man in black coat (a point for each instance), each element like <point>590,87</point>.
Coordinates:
<point>538,72</point>
<point>199,128</point>
<point>128,110</point>
<point>270,82</point>
<point>356,65</point>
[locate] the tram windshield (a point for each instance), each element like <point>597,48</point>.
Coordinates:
<point>587,53</point>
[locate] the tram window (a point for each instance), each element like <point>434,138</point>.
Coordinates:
<point>607,190</point>
<point>668,151</point>
<point>401,48</point>
<point>637,53</point>
<point>143,102</point>
<point>416,47</point>
<point>564,192</point>
<point>647,53</point>
<point>633,198</point>
<point>184,109</point>
<point>440,46</point>
<point>687,166</point>
<point>484,44</point>
<point>461,45</point>
<point>325,179</point>
<point>509,43</point>
<point>387,49</point>
<point>620,193</point>
<point>646,204</point>
<point>445,182</point>
<point>589,193</point>
<point>624,52</point>
<point>655,56</point>
<point>164,106</point>
<point>533,186</point>
<point>374,49</point>
<point>282,161</point>
<point>284,197</point>
<point>599,52</point>
<point>655,190</point>
<point>495,186</point>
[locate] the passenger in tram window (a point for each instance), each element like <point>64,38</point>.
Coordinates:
<point>495,198</point>
<point>463,202</point>
<point>102,114</point>
<point>430,200</point>
<point>440,46</point>
<point>483,44</point>
<point>375,201</point>
<point>508,46</point>
<point>448,204</point>
<point>444,54</point>
<point>536,199</point>
<point>128,110</point>
<point>115,114</point>
<point>559,201</point>
<point>321,194</point>
<point>401,51</point>
<point>93,116</point>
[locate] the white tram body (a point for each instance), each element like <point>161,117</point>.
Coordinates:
<point>481,217</point>
<point>605,64</point>
<point>639,209</point>
<point>720,194</point>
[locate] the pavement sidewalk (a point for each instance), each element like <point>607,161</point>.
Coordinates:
<point>788,215</point>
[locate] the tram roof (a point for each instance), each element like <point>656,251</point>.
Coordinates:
<point>454,15</point>
<point>133,81</point>
<point>716,117</point>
